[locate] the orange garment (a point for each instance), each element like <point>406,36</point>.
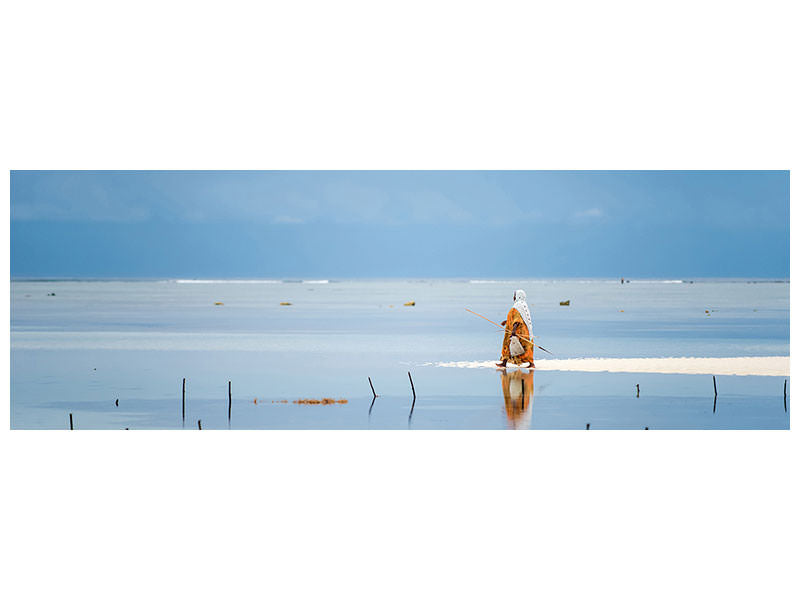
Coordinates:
<point>522,333</point>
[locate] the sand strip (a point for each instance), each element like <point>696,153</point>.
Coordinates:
<point>739,365</point>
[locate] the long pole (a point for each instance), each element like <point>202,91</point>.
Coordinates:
<point>530,339</point>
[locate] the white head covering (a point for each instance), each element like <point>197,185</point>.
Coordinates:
<point>521,304</point>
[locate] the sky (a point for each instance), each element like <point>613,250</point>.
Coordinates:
<point>339,224</point>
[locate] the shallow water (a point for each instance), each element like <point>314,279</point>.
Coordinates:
<point>96,341</point>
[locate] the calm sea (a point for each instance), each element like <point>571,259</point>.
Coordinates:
<point>80,346</point>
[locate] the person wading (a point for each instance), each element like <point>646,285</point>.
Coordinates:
<point>518,343</point>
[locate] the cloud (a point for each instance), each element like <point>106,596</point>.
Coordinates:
<point>90,208</point>
<point>293,198</point>
<point>591,213</point>
<point>288,220</point>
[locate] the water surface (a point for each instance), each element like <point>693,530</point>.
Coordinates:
<point>94,342</point>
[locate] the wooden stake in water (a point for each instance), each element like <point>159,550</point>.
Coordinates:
<point>183,401</point>
<point>229,402</point>
<point>587,426</point>
<point>70,421</point>
<point>637,390</point>
<point>198,424</point>
<point>715,385</point>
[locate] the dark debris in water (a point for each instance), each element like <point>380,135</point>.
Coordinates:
<point>322,401</point>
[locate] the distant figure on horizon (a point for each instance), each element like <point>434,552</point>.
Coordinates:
<point>518,341</point>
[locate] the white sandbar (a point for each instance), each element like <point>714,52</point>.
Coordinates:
<point>739,365</point>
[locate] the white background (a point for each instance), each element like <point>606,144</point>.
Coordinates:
<point>252,85</point>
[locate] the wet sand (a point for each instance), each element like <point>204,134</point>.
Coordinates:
<point>776,366</point>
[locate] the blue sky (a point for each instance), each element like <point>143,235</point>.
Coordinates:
<point>400,224</point>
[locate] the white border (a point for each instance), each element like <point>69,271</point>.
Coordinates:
<point>577,85</point>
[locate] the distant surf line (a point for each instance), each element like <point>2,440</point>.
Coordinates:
<point>226,281</point>
<point>711,280</point>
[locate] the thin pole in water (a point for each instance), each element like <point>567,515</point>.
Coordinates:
<point>198,424</point>
<point>183,401</point>
<point>637,390</point>
<point>229,402</point>
<point>784,395</point>
<point>70,421</point>
<point>587,426</point>
<point>715,385</point>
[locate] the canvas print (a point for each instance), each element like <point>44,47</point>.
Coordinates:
<point>200,300</point>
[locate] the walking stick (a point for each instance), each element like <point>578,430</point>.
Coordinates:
<point>530,339</point>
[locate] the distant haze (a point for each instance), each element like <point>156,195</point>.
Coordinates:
<point>520,224</point>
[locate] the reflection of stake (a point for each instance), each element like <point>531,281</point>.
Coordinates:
<point>374,395</point>
<point>414,401</point>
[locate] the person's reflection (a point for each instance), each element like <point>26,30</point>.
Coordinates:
<point>518,396</point>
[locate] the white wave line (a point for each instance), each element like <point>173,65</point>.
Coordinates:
<point>227,281</point>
